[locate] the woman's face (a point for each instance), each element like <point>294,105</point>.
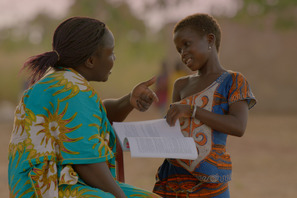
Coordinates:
<point>104,57</point>
<point>192,48</point>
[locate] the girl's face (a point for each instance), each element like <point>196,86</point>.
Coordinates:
<point>192,48</point>
<point>104,57</point>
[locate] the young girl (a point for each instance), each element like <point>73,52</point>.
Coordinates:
<point>62,144</point>
<point>211,105</point>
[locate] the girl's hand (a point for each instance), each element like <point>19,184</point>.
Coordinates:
<point>142,96</point>
<point>177,111</point>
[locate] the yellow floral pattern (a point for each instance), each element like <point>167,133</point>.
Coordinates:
<point>69,81</point>
<point>60,121</point>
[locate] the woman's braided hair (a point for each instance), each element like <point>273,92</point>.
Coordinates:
<point>74,41</point>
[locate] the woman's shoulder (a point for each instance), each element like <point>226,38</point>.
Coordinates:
<point>66,84</point>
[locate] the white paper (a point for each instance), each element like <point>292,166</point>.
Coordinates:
<point>160,147</point>
<point>155,138</point>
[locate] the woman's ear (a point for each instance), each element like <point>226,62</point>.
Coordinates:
<point>89,62</point>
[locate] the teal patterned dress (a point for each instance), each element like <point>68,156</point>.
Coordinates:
<point>60,121</point>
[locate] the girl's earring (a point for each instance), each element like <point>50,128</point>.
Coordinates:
<point>209,47</point>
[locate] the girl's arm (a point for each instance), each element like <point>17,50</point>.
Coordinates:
<point>140,98</point>
<point>233,123</point>
<point>99,176</point>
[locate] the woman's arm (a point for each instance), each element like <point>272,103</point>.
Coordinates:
<point>118,109</point>
<point>99,176</point>
<point>140,98</point>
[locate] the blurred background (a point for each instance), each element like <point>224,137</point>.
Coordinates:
<point>258,39</point>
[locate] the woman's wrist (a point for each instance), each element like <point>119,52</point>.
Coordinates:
<point>129,96</point>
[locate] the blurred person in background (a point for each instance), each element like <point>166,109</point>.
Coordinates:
<point>62,143</point>
<point>161,88</point>
<point>179,70</point>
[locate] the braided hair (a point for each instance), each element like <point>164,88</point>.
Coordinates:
<point>74,41</point>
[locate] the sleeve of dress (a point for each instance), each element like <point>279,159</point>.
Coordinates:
<point>240,90</point>
<point>86,136</point>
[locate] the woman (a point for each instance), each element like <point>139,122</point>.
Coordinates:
<point>62,144</point>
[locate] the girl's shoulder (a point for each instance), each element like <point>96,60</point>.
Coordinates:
<point>182,81</point>
<point>233,77</point>
<point>235,74</point>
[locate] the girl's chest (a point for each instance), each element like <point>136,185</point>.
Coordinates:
<point>197,85</point>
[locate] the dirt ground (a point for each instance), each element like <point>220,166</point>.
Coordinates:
<point>264,159</point>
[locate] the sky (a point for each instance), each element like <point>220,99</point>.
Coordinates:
<point>157,17</point>
<point>14,12</point>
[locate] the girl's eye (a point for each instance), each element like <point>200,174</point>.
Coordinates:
<point>187,43</point>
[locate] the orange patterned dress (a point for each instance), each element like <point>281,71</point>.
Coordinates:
<point>208,175</point>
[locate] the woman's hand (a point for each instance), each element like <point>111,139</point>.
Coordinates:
<point>142,96</point>
<point>177,111</point>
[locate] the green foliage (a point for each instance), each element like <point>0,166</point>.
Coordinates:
<point>281,14</point>
<point>138,56</point>
<point>119,19</point>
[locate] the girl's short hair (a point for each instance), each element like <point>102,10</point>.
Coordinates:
<point>203,24</point>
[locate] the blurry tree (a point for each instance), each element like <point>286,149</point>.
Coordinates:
<point>137,50</point>
<point>277,13</point>
<point>118,18</point>
<point>38,32</point>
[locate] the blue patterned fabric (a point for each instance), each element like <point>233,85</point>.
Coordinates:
<point>60,121</point>
<point>213,166</point>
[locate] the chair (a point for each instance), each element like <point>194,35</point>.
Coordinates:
<point>120,176</point>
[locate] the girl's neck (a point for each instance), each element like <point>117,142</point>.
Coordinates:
<point>213,66</point>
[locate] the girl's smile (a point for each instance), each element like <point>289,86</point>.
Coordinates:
<point>192,48</point>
